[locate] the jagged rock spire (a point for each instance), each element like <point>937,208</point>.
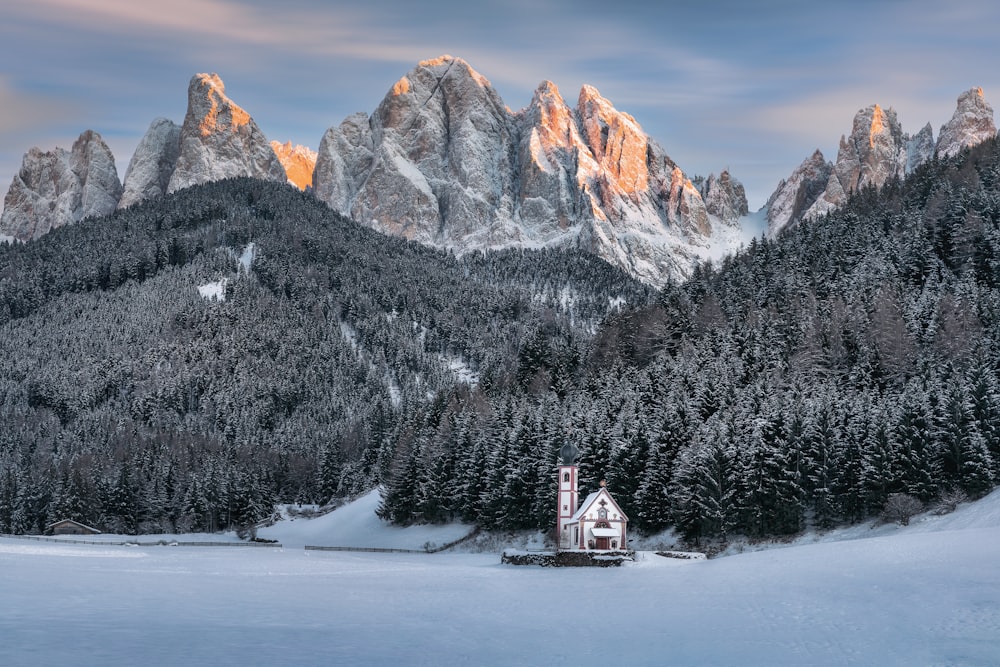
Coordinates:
<point>59,187</point>
<point>220,140</point>
<point>971,124</point>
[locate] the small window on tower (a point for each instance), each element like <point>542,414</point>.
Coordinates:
<point>565,476</point>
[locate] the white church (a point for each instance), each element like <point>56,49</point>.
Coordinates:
<point>596,524</point>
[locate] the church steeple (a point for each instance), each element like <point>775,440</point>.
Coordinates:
<point>568,497</point>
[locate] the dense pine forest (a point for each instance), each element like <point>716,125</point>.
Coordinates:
<point>804,382</point>
<point>809,381</point>
<point>131,402</point>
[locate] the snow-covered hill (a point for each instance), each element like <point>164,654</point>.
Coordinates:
<point>928,594</point>
<point>355,525</point>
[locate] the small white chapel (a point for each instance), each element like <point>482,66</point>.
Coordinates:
<point>596,524</point>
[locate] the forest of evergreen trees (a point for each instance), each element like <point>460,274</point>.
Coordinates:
<point>799,383</point>
<point>131,403</point>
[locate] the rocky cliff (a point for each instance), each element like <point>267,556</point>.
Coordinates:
<point>60,187</point>
<point>971,124</point>
<point>220,140</point>
<point>876,150</point>
<point>794,195</point>
<point>443,161</point>
<point>149,171</point>
<point>725,198</point>
<point>299,163</point>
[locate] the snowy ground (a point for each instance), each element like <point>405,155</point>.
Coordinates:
<point>924,595</point>
<point>355,525</point>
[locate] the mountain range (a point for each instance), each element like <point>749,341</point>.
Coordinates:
<point>876,151</point>
<point>444,162</point>
<point>191,359</point>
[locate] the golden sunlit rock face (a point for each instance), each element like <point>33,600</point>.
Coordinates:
<point>298,161</point>
<point>876,127</point>
<point>445,162</point>
<point>401,87</point>
<point>220,140</point>
<point>223,115</point>
<point>618,143</point>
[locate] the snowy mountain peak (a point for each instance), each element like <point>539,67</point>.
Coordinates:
<point>971,124</point>
<point>873,153</point>
<point>220,140</point>
<point>876,151</point>
<point>725,198</point>
<point>59,187</point>
<point>919,147</point>
<point>152,164</point>
<point>443,64</point>
<point>443,161</point>
<point>796,194</point>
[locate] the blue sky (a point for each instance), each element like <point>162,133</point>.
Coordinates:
<point>750,86</point>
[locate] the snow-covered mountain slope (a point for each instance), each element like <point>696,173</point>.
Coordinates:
<point>356,525</point>
<point>443,161</point>
<point>59,187</point>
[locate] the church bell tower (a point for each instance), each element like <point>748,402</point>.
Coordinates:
<point>568,495</point>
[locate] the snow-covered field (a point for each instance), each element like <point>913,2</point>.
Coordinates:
<point>928,594</point>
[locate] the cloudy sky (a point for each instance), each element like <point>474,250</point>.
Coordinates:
<point>754,87</point>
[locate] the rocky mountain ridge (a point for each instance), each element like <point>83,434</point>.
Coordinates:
<point>443,161</point>
<point>876,151</point>
<point>60,187</point>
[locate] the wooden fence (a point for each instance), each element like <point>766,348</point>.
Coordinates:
<point>432,550</point>
<point>137,543</point>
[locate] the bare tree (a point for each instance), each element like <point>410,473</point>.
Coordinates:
<point>900,507</point>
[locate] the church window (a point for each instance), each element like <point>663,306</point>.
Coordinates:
<point>565,476</point>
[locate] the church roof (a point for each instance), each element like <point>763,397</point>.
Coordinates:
<point>591,499</point>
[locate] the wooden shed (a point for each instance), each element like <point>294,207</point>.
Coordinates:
<point>70,527</point>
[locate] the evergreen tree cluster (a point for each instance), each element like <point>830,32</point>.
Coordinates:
<point>800,383</point>
<point>806,381</point>
<point>130,402</point>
